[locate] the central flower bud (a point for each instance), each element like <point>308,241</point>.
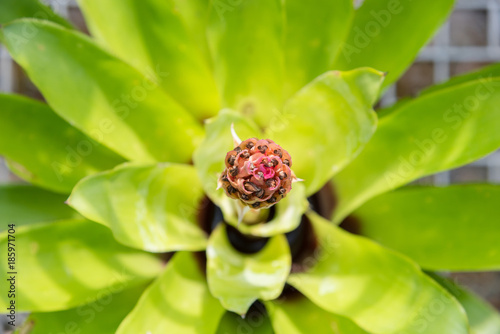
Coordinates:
<point>257,173</point>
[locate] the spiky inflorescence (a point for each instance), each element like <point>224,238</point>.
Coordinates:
<point>257,173</point>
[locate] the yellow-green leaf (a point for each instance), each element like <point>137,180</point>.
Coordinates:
<point>327,123</point>
<point>104,97</point>
<point>483,318</point>
<point>15,9</point>
<point>159,39</point>
<point>435,132</point>
<point>245,42</point>
<point>314,32</point>
<point>210,155</point>
<point>388,34</point>
<point>27,205</point>
<point>380,290</point>
<point>177,302</point>
<point>43,149</point>
<point>150,207</point>
<point>287,217</point>
<point>298,315</point>
<point>483,74</point>
<point>254,322</point>
<point>238,279</point>
<point>451,228</point>
<point>101,316</point>
<point>69,263</point>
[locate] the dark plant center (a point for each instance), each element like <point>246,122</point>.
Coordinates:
<point>301,240</point>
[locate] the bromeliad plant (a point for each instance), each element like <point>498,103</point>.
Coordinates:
<point>148,244</point>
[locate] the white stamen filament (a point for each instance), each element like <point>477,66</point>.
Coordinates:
<point>236,139</point>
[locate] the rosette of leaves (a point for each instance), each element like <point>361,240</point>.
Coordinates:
<point>145,243</point>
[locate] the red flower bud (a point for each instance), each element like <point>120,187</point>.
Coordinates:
<point>257,173</point>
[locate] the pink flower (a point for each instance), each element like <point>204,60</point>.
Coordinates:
<point>257,173</point>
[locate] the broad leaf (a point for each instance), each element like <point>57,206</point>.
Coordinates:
<point>314,33</point>
<point>69,263</point>
<point>104,97</point>
<point>394,107</point>
<point>158,39</point>
<point>452,228</point>
<point>195,17</point>
<point>327,123</point>
<point>432,133</point>
<point>45,150</point>
<point>238,279</point>
<point>287,217</point>
<point>380,290</point>
<point>151,207</point>
<point>15,9</point>
<point>298,315</point>
<point>245,42</point>
<point>26,205</point>
<point>484,73</point>
<point>388,34</point>
<point>209,156</point>
<point>483,318</point>
<point>177,302</point>
<point>255,323</point>
<point>102,316</point>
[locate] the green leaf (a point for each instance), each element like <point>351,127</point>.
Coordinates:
<point>299,315</point>
<point>483,318</point>
<point>255,323</point>
<point>45,150</point>
<point>314,32</point>
<point>239,279</point>
<point>484,73</point>
<point>195,14</point>
<point>382,291</point>
<point>152,207</point>
<point>102,96</point>
<point>450,228</point>
<point>394,107</point>
<point>27,205</point>
<point>335,111</point>
<point>430,134</point>
<point>245,40</point>
<point>158,39</point>
<point>388,34</point>
<point>69,263</point>
<point>99,317</point>
<point>15,9</point>
<point>288,215</point>
<point>177,302</point>
<point>209,156</point>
